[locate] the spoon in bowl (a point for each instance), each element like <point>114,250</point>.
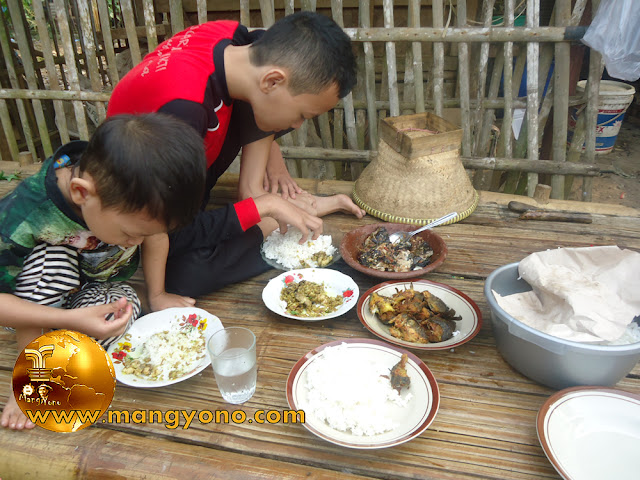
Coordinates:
<point>404,236</point>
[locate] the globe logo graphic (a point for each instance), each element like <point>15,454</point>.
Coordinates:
<point>64,381</point>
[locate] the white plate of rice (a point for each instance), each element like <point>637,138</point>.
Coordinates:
<point>284,252</point>
<point>347,400</point>
<point>335,283</point>
<point>164,347</point>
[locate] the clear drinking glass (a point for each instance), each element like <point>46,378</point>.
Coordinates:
<point>233,358</point>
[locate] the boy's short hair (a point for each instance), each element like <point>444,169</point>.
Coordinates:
<point>313,48</point>
<point>151,162</point>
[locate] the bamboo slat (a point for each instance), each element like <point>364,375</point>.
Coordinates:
<point>72,73</point>
<point>463,81</point>
<point>7,128</point>
<point>245,12</point>
<point>202,12</point>
<point>416,50</point>
<point>438,59</point>
<point>13,79</point>
<point>390,48</point>
<point>25,47</point>
<point>150,23</point>
<point>268,15</point>
<point>177,16</point>
<point>369,78</point>
<point>480,141</point>
<point>507,119</point>
<point>130,27</point>
<point>47,49</point>
<point>90,54</point>
<point>533,102</point>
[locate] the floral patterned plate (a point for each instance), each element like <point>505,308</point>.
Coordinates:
<point>172,320</point>
<point>335,283</point>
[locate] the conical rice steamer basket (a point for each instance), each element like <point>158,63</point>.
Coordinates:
<point>417,175</point>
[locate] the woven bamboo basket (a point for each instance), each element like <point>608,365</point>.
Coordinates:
<point>417,175</point>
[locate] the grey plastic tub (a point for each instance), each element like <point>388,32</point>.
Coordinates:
<point>549,360</point>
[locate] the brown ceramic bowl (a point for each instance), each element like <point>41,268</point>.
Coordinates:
<point>352,243</point>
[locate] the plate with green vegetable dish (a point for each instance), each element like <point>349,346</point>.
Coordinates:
<point>311,294</point>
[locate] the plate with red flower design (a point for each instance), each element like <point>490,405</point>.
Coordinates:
<point>341,294</point>
<point>164,347</point>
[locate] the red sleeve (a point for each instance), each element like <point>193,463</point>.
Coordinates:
<point>247,213</point>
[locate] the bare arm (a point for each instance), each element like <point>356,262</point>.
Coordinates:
<point>154,262</point>
<point>22,314</point>
<point>277,177</point>
<point>253,167</point>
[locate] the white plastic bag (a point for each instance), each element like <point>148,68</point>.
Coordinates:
<point>615,33</point>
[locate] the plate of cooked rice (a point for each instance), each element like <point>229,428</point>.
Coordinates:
<point>347,391</point>
<point>311,294</point>
<point>284,251</point>
<point>164,347</point>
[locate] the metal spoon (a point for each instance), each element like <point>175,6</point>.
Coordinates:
<point>398,236</point>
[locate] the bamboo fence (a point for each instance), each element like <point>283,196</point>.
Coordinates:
<point>61,59</point>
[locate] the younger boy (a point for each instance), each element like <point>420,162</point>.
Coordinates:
<point>239,89</point>
<point>69,235</point>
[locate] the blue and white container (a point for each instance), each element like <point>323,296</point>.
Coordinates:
<point>614,99</point>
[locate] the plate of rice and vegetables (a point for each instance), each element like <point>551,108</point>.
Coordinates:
<point>419,314</point>
<point>284,251</point>
<point>311,294</point>
<point>164,347</point>
<point>364,394</point>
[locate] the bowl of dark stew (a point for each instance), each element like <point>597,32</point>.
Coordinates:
<point>367,249</point>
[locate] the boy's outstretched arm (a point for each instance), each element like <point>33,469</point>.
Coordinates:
<point>253,167</point>
<point>154,262</point>
<point>18,313</point>
<point>277,175</point>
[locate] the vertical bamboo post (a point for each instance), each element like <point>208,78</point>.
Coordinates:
<point>507,118</point>
<point>369,76</point>
<point>416,49</point>
<point>480,137</point>
<point>245,12</point>
<point>438,59</point>
<point>390,48</point>
<point>596,67</point>
<point>130,28</point>
<point>560,97</point>
<point>463,81</point>
<point>533,20</point>
<point>268,14</point>
<point>13,79</point>
<point>15,10</point>
<point>72,73</point>
<point>202,12</point>
<point>177,16</point>
<point>150,23</point>
<point>86,31</point>
<point>47,51</point>
<point>103,12</point>
<point>7,128</point>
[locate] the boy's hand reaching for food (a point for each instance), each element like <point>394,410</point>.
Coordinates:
<point>285,213</point>
<point>93,320</point>
<point>167,300</point>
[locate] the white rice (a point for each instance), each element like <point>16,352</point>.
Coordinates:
<point>171,353</point>
<point>286,250</point>
<point>349,393</point>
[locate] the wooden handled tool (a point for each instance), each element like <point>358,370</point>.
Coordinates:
<point>529,212</point>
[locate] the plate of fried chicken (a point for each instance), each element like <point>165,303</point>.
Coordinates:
<point>419,314</point>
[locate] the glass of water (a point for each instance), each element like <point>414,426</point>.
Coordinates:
<point>233,358</point>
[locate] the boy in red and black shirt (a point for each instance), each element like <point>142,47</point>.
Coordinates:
<point>239,89</point>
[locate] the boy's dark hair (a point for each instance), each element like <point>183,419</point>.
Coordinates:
<point>152,162</point>
<point>313,48</point>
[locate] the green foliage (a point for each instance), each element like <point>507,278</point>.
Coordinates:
<point>11,176</point>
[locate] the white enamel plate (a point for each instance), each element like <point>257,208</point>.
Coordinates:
<point>170,319</point>
<point>335,283</point>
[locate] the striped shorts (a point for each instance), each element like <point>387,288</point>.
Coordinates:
<point>51,276</point>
